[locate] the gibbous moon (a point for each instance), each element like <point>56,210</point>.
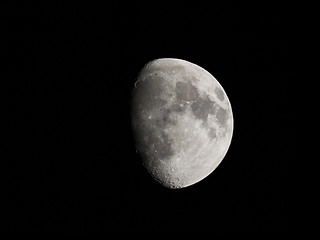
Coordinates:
<point>182,121</point>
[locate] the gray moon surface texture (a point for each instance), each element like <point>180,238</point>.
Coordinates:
<point>182,121</point>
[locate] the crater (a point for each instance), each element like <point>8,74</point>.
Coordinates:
<point>186,91</point>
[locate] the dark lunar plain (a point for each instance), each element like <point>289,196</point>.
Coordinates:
<point>68,162</point>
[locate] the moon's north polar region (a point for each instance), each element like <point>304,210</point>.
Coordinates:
<point>182,121</point>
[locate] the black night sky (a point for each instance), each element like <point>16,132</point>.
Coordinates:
<point>69,162</point>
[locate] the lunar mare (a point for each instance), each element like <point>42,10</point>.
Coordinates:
<point>182,121</point>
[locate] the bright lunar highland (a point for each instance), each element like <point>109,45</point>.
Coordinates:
<point>182,121</point>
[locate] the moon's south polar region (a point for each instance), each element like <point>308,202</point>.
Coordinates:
<point>182,121</point>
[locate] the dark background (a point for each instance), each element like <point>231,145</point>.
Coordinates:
<point>69,162</point>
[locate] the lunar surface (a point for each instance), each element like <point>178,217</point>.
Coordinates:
<point>182,121</point>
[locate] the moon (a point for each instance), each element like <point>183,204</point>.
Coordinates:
<point>182,121</point>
